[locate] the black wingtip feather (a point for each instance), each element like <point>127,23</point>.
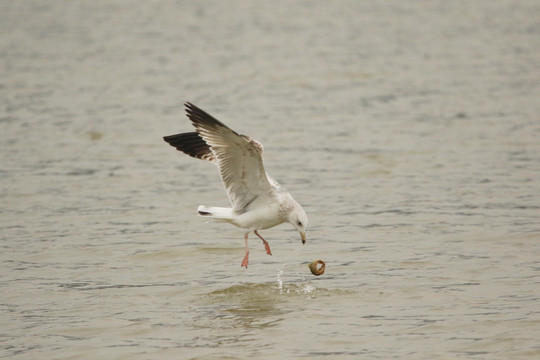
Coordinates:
<point>199,116</point>
<point>191,144</point>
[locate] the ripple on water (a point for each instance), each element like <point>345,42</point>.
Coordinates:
<point>264,297</point>
<point>256,305</point>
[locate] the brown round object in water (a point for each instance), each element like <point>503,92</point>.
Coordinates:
<point>315,270</point>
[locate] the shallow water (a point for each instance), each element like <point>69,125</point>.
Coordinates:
<point>409,132</point>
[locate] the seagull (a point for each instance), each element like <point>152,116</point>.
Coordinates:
<point>258,202</point>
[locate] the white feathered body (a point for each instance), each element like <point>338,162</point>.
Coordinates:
<point>259,215</point>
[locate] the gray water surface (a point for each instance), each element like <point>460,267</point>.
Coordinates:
<point>409,131</point>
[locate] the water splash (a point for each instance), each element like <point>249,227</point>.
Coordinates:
<point>280,281</point>
<point>305,289</point>
<point>308,289</point>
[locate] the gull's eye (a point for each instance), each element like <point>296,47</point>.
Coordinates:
<point>299,223</point>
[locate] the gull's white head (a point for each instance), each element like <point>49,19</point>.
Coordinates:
<point>299,220</point>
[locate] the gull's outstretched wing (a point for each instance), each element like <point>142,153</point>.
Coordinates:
<point>237,156</point>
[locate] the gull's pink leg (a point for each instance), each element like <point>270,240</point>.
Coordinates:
<point>246,257</point>
<point>266,245</point>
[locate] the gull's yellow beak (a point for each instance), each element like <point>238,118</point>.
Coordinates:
<point>303,235</point>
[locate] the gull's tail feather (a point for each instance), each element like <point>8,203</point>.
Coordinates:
<point>219,213</point>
